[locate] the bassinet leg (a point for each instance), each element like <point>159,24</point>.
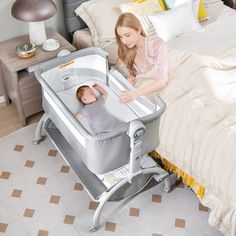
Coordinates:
<point>170,182</point>
<point>106,195</point>
<point>38,131</point>
<point>102,201</point>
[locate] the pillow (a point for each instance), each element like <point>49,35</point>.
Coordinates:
<point>202,14</point>
<point>177,21</point>
<point>141,9</point>
<point>194,2</point>
<point>209,2</point>
<point>199,9</point>
<point>100,16</point>
<point>162,4</point>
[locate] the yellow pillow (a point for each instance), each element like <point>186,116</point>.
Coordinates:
<point>162,4</point>
<point>141,8</point>
<point>202,14</point>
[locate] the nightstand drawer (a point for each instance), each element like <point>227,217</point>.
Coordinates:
<point>30,92</point>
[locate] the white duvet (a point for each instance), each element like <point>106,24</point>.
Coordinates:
<point>198,128</point>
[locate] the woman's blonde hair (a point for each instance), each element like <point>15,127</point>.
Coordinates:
<point>127,55</point>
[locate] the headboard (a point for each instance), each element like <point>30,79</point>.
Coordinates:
<point>72,21</point>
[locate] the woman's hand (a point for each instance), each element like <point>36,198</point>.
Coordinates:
<point>132,80</point>
<point>128,96</point>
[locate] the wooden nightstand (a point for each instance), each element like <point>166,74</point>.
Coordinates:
<point>19,86</point>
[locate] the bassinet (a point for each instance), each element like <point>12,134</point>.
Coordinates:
<point>94,155</point>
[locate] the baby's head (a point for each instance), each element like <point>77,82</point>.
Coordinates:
<point>85,95</point>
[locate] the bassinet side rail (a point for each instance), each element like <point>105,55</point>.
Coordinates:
<point>47,65</point>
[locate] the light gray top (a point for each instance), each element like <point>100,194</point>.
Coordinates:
<point>99,119</point>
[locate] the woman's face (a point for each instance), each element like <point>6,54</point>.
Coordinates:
<point>128,36</point>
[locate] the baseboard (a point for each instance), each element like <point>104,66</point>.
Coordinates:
<point>2,99</point>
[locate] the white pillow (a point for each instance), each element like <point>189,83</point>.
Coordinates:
<point>100,16</point>
<point>194,2</point>
<point>209,2</point>
<point>141,9</point>
<point>177,21</point>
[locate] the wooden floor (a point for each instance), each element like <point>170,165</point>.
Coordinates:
<point>9,119</point>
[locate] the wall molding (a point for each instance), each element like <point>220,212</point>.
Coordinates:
<point>2,99</point>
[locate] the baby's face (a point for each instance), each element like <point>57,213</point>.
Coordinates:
<point>88,96</point>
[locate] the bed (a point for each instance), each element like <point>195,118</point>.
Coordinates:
<point>198,128</point>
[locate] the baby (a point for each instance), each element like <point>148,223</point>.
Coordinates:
<point>100,120</point>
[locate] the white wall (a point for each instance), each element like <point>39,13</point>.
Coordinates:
<point>11,27</point>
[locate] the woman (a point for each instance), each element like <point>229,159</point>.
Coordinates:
<point>145,58</point>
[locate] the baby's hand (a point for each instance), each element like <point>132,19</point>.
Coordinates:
<point>95,85</point>
<point>101,90</point>
<point>78,116</point>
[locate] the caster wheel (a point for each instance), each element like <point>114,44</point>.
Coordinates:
<point>92,229</point>
<point>161,180</point>
<point>36,142</point>
<point>168,190</point>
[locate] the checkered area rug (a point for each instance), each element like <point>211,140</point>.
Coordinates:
<point>40,195</point>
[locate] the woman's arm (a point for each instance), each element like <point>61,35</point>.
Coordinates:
<point>153,87</point>
<point>157,52</point>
